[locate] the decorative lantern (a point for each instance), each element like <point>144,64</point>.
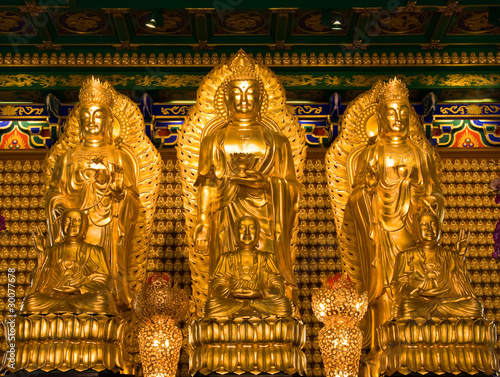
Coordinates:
<point>339,306</point>
<point>160,307</point>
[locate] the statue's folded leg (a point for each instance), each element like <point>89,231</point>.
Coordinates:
<point>466,307</point>
<point>416,307</point>
<point>43,303</point>
<point>279,306</point>
<point>91,302</point>
<point>222,307</point>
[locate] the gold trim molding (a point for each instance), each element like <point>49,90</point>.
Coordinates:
<point>271,59</point>
<point>180,81</point>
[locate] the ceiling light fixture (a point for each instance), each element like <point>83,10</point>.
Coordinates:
<point>337,22</point>
<point>156,20</point>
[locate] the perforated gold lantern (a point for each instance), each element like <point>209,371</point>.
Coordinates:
<point>339,306</point>
<point>160,307</point>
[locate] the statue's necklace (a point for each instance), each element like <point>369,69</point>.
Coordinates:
<point>403,153</point>
<point>85,155</point>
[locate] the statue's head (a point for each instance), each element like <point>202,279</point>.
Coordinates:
<point>74,224</point>
<point>247,230</point>
<point>394,109</point>
<point>95,116</point>
<point>244,93</point>
<point>427,227</point>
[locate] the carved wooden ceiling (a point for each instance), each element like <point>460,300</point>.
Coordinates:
<point>257,25</point>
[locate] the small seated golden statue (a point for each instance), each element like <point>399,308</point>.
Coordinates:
<point>246,282</point>
<point>430,281</point>
<point>73,276</point>
<point>438,323</point>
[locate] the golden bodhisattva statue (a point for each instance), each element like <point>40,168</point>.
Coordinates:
<point>390,174</point>
<point>102,180</point>
<point>74,276</point>
<point>242,156</point>
<point>383,174</point>
<point>247,282</point>
<point>436,311</point>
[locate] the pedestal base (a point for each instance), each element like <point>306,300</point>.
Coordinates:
<point>438,346</point>
<point>254,345</point>
<point>64,342</point>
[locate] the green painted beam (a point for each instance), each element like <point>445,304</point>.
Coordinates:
<point>328,79</point>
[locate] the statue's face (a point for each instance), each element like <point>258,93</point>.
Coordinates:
<point>72,224</point>
<point>243,99</point>
<point>94,119</point>
<point>429,228</point>
<point>247,232</point>
<point>395,118</point>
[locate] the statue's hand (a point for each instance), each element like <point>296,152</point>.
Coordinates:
<point>253,179</point>
<point>462,244</point>
<point>201,237</point>
<point>116,184</point>
<point>371,175</point>
<point>246,293</point>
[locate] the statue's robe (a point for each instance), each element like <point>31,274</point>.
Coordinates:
<point>274,208</point>
<point>383,214</point>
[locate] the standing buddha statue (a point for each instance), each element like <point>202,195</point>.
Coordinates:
<point>246,169</point>
<point>392,180</point>
<point>241,154</point>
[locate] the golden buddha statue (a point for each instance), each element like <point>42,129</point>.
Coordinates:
<point>246,169</point>
<point>99,178</point>
<point>390,176</point>
<point>430,280</point>
<point>104,173</point>
<point>73,275</point>
<point>241,155</point>
<point>246,281</point>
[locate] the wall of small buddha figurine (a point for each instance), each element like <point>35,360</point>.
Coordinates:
<point>465,184</point>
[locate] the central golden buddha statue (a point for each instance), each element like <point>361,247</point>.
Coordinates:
<point>246,169</point>
<point>241,152</point>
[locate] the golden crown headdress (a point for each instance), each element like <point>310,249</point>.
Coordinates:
<point>242,68</point>
<point>95,92</point>
<point>393,90</point>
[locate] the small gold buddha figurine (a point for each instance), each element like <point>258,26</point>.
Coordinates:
<point>430,281</point>
<point>246,281</point>
<point>73,275</point>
